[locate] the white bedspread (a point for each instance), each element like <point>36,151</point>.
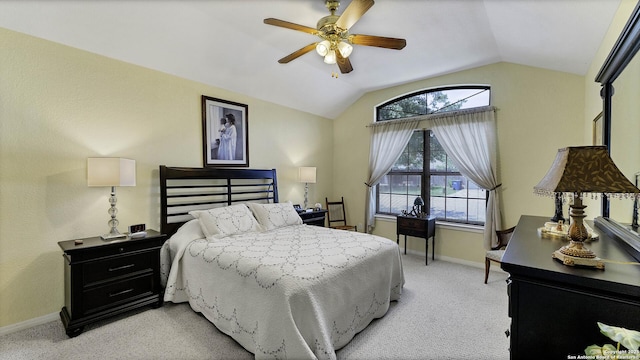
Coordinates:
<point>297,292</point>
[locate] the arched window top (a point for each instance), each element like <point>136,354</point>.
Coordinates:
<point>434,101</point>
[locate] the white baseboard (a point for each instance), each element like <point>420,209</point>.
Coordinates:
<point>28,324</point>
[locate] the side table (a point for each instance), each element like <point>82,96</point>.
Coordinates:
<point>104,278</point>
<point>424,227</point>
<point>315,217</point>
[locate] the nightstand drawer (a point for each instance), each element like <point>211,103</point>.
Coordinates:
<point>101,297</point>
<point>315,217</point>
<point>111,268</point>
<point>117,249</point>
<point>414,227</point>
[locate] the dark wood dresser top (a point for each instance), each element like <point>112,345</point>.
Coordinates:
<point>529,255</point>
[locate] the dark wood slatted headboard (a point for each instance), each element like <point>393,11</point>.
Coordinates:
<point>186,189</point>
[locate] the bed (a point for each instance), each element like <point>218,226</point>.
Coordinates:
<point>280,288</point>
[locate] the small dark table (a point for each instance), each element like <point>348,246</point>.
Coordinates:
<point>315,217</point>
<point>424,227</point>
<point>104,278</point>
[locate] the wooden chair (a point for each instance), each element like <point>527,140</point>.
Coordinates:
<point>336,215</point>
<point>495,254</point>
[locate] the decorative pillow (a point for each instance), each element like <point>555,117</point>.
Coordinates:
<point>225,221</point>
<point>273,216</point>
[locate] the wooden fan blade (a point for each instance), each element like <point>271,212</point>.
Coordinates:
<point>343,63</point>
<point>296,54</point>
<point>353,13</point>
<point>379,41</point>
<point>290,25</point>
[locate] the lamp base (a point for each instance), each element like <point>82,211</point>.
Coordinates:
<point>114,234</point>
<point>575,254</point>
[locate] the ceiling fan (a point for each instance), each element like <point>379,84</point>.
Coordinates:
<point>333,30</point>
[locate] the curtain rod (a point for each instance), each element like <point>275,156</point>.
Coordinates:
<point>438,116</point>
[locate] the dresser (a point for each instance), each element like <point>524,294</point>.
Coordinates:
<point>424,227</point>
<point>104,278</point>
<point>554,308</point>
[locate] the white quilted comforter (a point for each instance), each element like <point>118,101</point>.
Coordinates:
<point>297,292</point>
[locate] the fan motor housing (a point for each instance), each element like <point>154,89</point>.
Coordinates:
<point>328,24</point>
<point>327,29</point>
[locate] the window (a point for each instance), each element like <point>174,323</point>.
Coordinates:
<point>449,195</point>
<point>434,101</point>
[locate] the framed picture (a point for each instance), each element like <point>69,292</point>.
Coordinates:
<point>225,132</point>
<point>597,130</point>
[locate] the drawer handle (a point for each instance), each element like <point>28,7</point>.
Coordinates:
<point>120,293</point>
<point>122,267</point>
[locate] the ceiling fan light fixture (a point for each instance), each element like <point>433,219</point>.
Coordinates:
<point>345,49</point>
<point>333,40</point>
<point>323,47</point>
<point>330,58</point>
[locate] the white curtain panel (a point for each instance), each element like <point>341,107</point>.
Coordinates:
<point>469,139</point>
<point>388,140</point>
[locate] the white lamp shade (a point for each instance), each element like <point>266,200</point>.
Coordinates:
<point>307,174</point>
<point>345,49</point>
<point>330,58</point>
<point>111,172</point>
<point>323,47</point>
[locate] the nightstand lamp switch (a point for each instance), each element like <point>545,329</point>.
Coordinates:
<point>111,172</point>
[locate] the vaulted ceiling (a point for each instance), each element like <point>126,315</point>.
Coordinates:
<point>226,44</point>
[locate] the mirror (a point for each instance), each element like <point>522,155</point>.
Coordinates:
<point>624,145</point>
<point>621,126</point>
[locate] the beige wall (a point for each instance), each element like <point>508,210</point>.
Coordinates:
<point>539,111</point>
<point>59,105</point>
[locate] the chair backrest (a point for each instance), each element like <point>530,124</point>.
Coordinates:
<point>335,212</point>
<point>503,237</point>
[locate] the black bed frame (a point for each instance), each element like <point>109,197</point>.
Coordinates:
<point>186,189</point>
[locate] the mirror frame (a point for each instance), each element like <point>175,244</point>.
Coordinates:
<point>623,51</point>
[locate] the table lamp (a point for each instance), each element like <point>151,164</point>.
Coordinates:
<point>307,175</point>
<point>418,205</point>
<point>111,172</point>
<point>576,171</point>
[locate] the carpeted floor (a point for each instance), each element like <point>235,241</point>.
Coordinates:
<point>446,312</point>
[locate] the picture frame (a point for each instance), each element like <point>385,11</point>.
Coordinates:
<point>597,130</point>
<point>225,133</point>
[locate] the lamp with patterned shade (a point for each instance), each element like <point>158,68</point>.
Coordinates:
<point>579,170</point>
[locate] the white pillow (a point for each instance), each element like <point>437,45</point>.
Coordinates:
<point>273,216</point>
<point>225,221</point>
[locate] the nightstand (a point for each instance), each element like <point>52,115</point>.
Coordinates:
<point>424,227</point>
<point>104,278</point>
<point>315,217</point>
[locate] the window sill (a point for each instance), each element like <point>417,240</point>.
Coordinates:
<point>441,224</point>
